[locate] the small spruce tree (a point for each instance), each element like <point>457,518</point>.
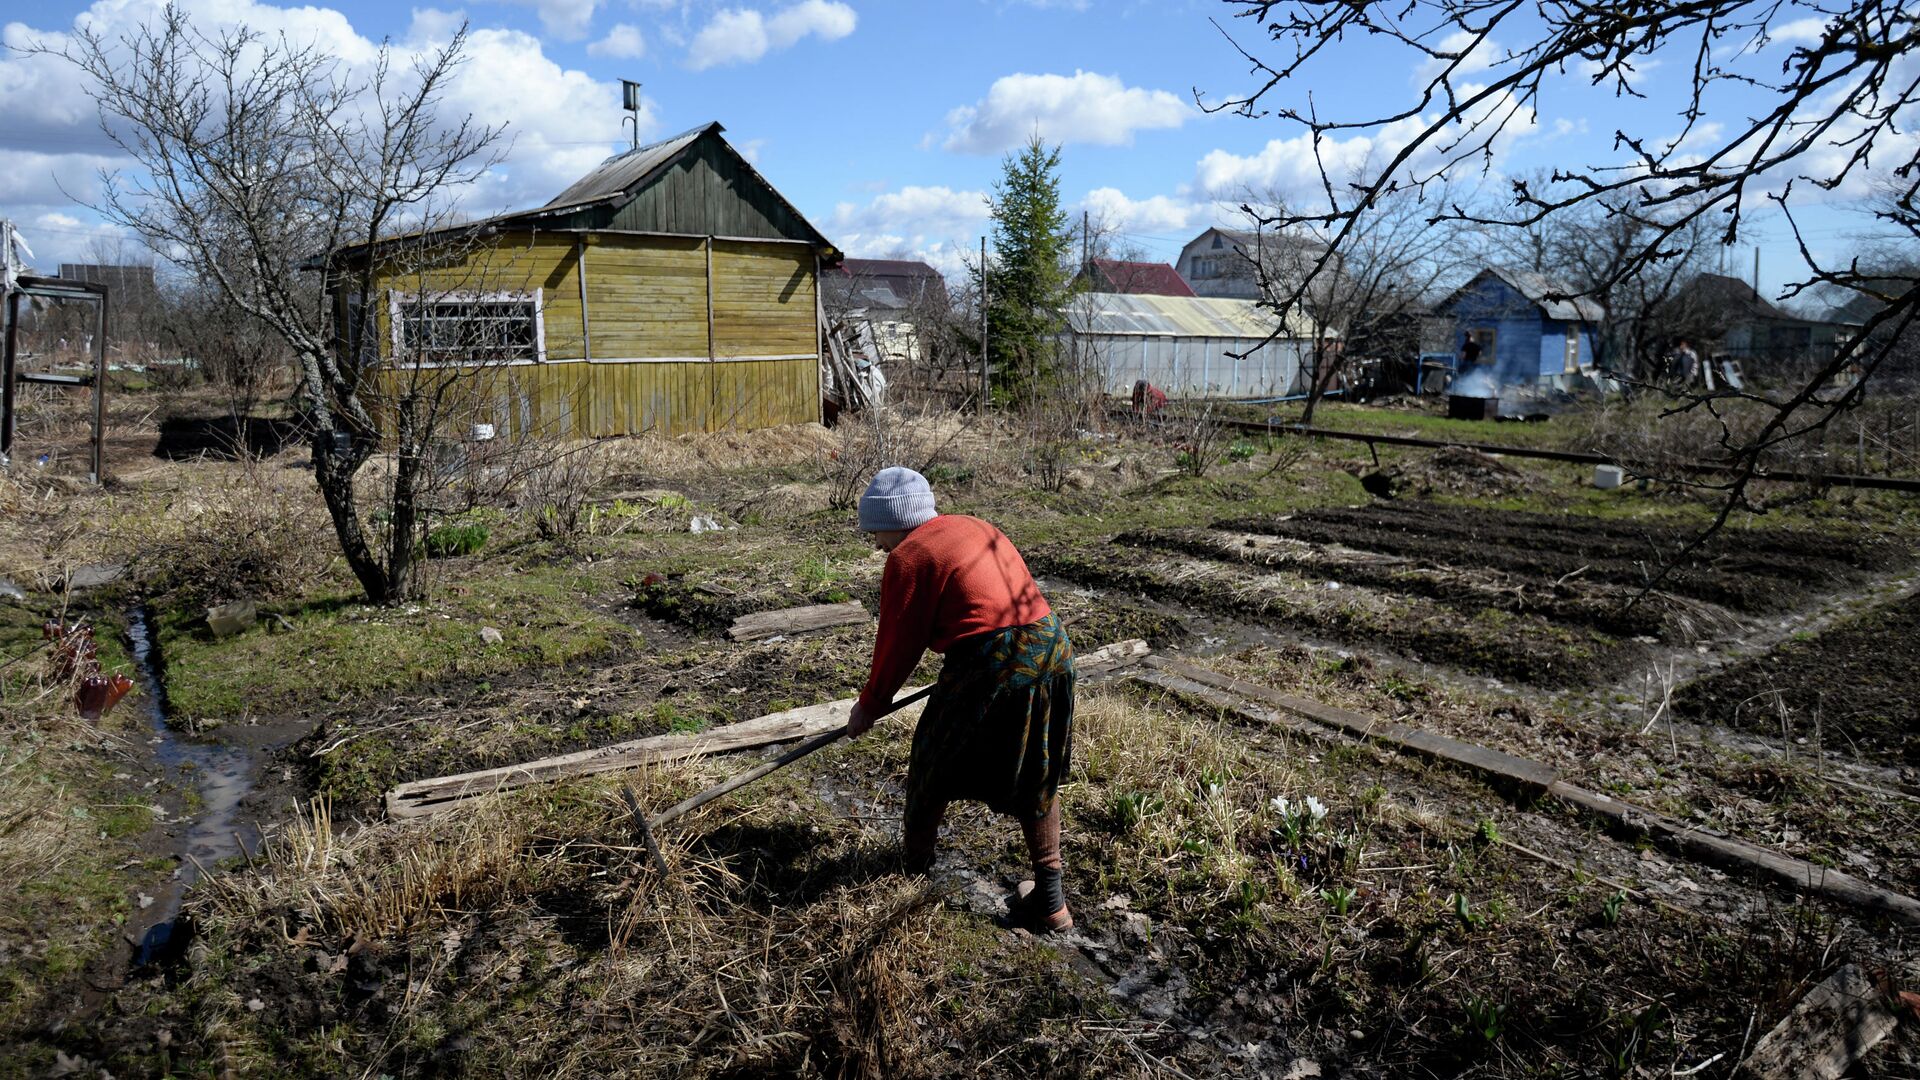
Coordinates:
<point>1027,278</point>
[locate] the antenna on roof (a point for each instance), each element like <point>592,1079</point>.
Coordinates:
<point>630,101</point>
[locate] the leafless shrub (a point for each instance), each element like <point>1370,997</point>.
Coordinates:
<point>560,481</point>
<point>882,438</point>
<point>257,537</point>
<point>1197,435</point>
<point>1056,421</point>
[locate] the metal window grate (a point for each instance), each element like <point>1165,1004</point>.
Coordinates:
<point>469,330</point>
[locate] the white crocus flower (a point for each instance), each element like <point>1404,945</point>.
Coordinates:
<point>1280,805</point>
<point>1316,808</point>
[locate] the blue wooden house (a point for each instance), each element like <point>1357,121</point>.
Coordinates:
<point>1528,329</point>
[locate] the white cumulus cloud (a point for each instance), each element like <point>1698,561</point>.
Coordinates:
<point>623,42</point>
<point>1085,107</point>
<point>744,35</point>
<point>936,224</point>
<point>561,122</point>
<point>1113,210</point>
<point>567,20</point>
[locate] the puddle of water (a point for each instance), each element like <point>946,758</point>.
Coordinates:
<point>220,775</point>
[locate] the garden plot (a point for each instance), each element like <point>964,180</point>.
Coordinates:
<point>1746,570</point>
<point>1849,688</point>
<point>1523,647</point>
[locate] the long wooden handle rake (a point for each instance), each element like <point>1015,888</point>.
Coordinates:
<point>648,824</point>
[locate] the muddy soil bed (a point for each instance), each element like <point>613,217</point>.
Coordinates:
<point>1523,648</point>
<point>1851,687</point>
<point>1573,602</point>
<point>1750,570</point>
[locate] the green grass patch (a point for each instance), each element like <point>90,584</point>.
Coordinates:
<point>340,650</point>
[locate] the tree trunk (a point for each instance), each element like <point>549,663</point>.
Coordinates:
<point>334,473</point>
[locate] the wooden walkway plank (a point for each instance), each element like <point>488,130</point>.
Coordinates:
<point>1258,702</point>
<point>1835,1025</point>
<point>766,624</point>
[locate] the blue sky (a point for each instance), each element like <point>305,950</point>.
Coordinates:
<point>883,120</point>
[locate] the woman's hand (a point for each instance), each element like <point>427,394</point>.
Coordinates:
<point>860,721</point>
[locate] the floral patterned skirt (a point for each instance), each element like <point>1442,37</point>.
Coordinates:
<point>999,726</point>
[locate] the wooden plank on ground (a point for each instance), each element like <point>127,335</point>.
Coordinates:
<point>766,624</point>
<point>420,798</point>
<point>1835,1025</point>
<point>1739,854</point>
<point>1534,775</point>
<point>1526,772</point>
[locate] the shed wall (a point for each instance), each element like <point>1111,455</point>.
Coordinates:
<point>639,361</point>
<point>1196,366</point>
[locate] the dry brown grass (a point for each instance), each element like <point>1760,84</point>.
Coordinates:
<point>247,531</point>
<point>695,455</point>
<point>700,974</point>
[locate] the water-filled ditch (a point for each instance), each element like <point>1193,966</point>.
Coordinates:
<point>211,777</point>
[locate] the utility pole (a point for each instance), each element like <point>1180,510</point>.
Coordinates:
<point>986,391</point>
<point>1086,246</point>
<point>1756,270</point>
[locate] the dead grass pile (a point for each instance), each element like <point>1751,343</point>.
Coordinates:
<point>258,534</point>
<point>529,935</point>
<point>695,454</point>
<point>38,831</point>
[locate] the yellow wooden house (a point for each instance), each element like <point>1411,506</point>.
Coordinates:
<point>670,290</point>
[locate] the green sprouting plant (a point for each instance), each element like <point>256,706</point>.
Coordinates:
<point>1130,808</point>
<point>1486,1017</point>
<point>1241,450</point>
<point>1610,907</point>
<point>1464,913</point>
<point>1212,781</point>
<point>1639,1032</point>
<point>677,721</point>
<point>460,538</point>
<point>818,571</point>
<point>1486,832</point>
<point>1340,899</point>
<point>1398,689</point>
<point>941,473</point>
<point>675,501</point>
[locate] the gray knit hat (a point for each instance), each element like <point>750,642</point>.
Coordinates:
<point>897,499</point>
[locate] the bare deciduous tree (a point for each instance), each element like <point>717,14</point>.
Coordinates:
<point>1368,298</point>
<point>1821,109</point>
<point>258,157</point>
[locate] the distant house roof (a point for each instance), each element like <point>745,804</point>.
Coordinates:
<point>1549,294</point>
<point>1731,299</point>
<point>1138,278</point>
<point>1275,242</point>
<point>1148,315</point>
<point>888,283</point>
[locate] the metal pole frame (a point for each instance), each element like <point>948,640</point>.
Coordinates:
<point>99,462</point>
<point>7,394</point>
<point>10,377</point>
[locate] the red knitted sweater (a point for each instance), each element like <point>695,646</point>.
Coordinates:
<point>952,578</point>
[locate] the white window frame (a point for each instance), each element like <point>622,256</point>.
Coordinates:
<point>397,299</point>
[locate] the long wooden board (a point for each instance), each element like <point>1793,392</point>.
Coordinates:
<point>766,624</point>
<point>1258,703</point>
<point>420,798</point>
